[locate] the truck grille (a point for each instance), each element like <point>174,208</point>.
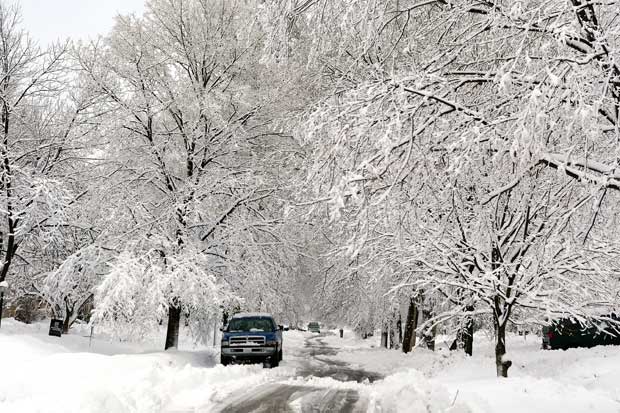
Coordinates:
<point>247,341</point>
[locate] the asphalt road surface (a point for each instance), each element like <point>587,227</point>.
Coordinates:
<point>311,362</point>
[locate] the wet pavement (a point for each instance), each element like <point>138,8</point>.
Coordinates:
<point>319,366</point>
<point>313,361</point>
<point>278,397</point>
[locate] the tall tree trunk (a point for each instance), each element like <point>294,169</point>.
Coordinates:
<point>7,184</point>
<point>501,364</point>
<point>410,326</point>
<point>174,321</point>
<point>396,335</point>
<point>215,328</point>
<point>468,334</point>
<point>67,321</point>
<point>465,334</point>
<point>1,306</point>
<point>428,335</point>
<point>70,316</point>
<point>384,335</point>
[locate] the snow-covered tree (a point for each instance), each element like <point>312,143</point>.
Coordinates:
<point>193,161</point>
<point>41,152</point>
<point>456,111</point>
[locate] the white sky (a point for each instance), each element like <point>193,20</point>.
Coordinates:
<point>49,20</point>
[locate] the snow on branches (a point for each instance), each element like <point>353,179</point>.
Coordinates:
<point>471,146</point>
<point>141,286</point>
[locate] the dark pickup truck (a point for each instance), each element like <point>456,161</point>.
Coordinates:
<point>251,338</point>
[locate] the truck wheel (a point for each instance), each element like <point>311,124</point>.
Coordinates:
<point>275,360</point>
<point>224,360</point>
<point>280,355</point>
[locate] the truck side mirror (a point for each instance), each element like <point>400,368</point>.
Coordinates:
<point>280,327</point>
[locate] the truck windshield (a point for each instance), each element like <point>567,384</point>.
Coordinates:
<point>250,324</point>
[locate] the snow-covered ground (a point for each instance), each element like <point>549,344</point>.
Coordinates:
<point>39,373</point>
<point>576,380</point>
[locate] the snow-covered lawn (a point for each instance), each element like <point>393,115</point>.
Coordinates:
<point>39,373</point>
<point>576,380</point>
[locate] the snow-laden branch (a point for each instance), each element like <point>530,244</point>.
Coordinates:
<point>583,170</point>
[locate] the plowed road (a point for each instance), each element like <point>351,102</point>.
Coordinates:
<point>310,361</point>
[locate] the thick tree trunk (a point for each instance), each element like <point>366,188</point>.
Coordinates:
<point>66,324</point>
<point>67,321</point>
<point>468,335</point>
<point>392,334</point>
<point>465,335</point>
<point>410,326</point>
<point>501,363</point>
<point>174,321</point>
<point>399,329</point>
<point>7,183</point>
<point>384,335</point>
<point>428,335</point>
<point>215,329</point>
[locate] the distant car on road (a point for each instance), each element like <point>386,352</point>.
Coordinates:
<point>251,338</point>
<point>567,333</point>
<point>314,327</point>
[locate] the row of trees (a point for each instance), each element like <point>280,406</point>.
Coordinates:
<point>468,151</point>
<point>398,164</point>
<point>143,170</point>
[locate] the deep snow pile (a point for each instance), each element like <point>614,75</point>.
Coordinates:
<point>408,391</point>
<point>48,374</point>
<point>402,390</point>
<point>575,380</point>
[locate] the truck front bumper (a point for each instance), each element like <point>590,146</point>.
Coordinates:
<point>248,353</point>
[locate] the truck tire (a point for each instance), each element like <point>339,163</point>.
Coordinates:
<point>280,356</point>
<point>224,360</point>
<point>275,360</point>
<point>270,363</point>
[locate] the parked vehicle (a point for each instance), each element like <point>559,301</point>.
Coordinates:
<point>567,333</point>
<point>252,338</point>
<point>314,327</point>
